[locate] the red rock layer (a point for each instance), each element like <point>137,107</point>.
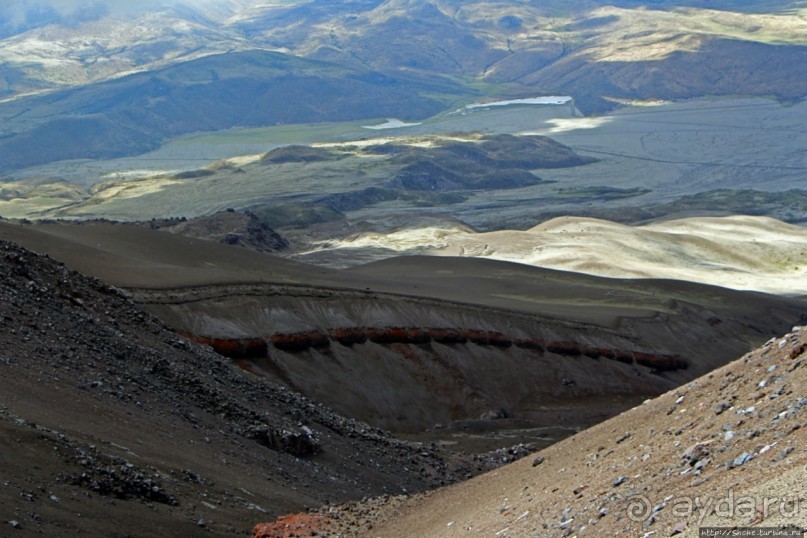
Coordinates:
<point>292,525</point>
<point>301,341</point>
<point>235,347</point>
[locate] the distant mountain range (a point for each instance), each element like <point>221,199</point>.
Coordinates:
<point>88,82</point>
<point>136,113</point>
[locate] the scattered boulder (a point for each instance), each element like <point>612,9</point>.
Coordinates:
<point>720,407</point>
<point>696,452</point>
<point>301,444</point>
<point>742,459</point>
<point>494,414</point>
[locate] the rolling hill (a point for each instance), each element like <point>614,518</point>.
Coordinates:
<point>739,252</point>
<point>137,113</point>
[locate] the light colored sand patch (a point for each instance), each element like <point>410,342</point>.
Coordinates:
<point>639,102</point>
<point>415,142</point>
<point>391,123</point>
<point>739,252</point>
<point>130,189</point>
<point>137,174</point>
<point>562,125</point>
<point>425,141</point>
<point>243,160</point>
<point>408,240</point>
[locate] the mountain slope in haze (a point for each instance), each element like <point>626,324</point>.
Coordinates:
<point>638,50</point>
<point>106,413</point>
<point>726,450</point>
<point>400,58</point>
<point>56,56</point>
<point>247,89</point>
<point>52,44</point>
<point>739,252</point>
<point>634,54</point>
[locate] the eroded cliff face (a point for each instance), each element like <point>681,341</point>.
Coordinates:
<point>408,379</point>
<point>411,364</point>
<point>241,348</point>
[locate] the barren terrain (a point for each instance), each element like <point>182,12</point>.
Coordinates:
<point>109,419</point>
<point>410,326</point>
<point>727,449</point>
<point>739,252</point>
<point>402,267</point>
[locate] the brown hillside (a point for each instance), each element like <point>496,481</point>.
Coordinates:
<point>727,449</point>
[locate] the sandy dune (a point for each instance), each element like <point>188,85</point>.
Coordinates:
<point>739,252</point>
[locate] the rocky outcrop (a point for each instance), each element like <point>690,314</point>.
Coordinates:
<point>292,525</point>
<point>301,444</point>
<point>563,348</point>
<point>409,379</point>
<point>242,228</point>
<point>659,362</point>
<point>398,335</point>
<point>300,341</point>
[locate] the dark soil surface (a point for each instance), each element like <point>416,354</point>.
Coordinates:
<point>113,425</point>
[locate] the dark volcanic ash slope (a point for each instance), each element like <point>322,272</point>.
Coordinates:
<point>106,413</point>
